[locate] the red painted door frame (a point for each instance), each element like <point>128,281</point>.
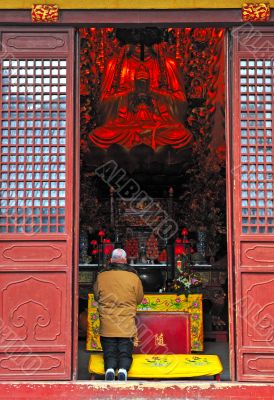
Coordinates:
<point>229,203</point>
<point>229,189</point>
<point>76,225</point>
<point>164,17</point>
<point>76,204</point>
<point>253,201</point>
<point>231,327</point>
<point>36,241</point>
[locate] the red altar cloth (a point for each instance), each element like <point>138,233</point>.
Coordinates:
<point>163,333</point>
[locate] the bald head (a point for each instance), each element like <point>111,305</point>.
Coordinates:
<point>119,256</point>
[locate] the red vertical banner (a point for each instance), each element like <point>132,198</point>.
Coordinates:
<point>36,203</point>
<point>253,201</point>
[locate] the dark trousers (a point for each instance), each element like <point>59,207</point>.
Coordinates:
<point>117,352</point>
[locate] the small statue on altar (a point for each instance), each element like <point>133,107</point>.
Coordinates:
<point>142,100</point>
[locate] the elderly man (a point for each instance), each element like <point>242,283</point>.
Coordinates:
<point>118,290</point>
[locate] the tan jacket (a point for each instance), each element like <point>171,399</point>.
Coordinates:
<point>118,292</point>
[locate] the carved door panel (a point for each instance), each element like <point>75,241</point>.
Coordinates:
<point>253,101</point>
<point>36,101</point>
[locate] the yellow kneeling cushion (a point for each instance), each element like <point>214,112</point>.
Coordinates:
<point>164,366</point>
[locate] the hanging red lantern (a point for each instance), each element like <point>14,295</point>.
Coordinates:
<point>108,249</point>
<point>101,234</point>
<point>179,250</point>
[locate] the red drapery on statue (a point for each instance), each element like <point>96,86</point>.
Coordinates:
<point>142,101</point>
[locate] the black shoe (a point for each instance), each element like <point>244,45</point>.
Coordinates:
<point>122,375</point>
<point>110,375</point>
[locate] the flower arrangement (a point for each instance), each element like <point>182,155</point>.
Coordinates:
<point>186,282</point>
<point>101,248</point>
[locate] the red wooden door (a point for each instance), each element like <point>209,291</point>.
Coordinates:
<point>36,101</point>
<point>253,212</point>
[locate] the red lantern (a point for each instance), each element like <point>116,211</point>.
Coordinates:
<point>179,250</point>
<point>101,233</point>
<point>93,242</point>
<point>108,249</point>
<point>184,232</point>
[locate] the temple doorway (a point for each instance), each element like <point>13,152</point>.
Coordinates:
<point>153,175</point>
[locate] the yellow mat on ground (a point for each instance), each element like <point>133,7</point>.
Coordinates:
<point>164,365</point>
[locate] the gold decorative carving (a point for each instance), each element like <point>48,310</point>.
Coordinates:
<point>45,13</point>
<point>159,340</point>
<point>255,12</point>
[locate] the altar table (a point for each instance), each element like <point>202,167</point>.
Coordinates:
<point>154,302</point>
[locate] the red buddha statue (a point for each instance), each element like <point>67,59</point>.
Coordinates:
<point>142,101</point>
